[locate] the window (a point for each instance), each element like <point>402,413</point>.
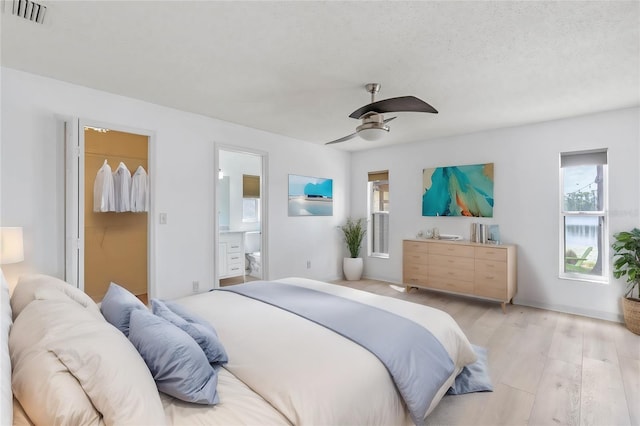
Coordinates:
<point>583,217</point>
<point>250,198</point>
<point>378,214</point>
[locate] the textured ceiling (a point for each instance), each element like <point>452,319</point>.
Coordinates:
<point>299,68</point>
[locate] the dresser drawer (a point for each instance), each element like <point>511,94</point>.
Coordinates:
<point>414,275</point>
<point>451,250</point>
<point>455,285</point>
<point>234,258</point>
<point>452,262</point>
<point>234,247</point>
<point>490,269</point>
<point>491,253</point>
<point>235,270</point>
<point>490,288</point>
<point>491,279</point>
<point>416,257</point>
<point>436,271</point>
<point>415,247</point>
<point>414,269</point>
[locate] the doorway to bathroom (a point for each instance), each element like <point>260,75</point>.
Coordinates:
<point>241,216</point>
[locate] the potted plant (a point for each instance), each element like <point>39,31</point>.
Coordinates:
<point>627,262</point>
<point>353,231</point>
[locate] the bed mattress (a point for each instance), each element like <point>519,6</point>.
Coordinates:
<point>302,372</point>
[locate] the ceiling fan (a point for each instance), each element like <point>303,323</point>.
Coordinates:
<point>374,125</point>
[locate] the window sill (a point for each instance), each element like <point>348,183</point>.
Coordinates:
<point>584,278</point>
<point>379,255</point>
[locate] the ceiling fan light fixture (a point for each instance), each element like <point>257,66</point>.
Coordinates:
<point>372,131</point>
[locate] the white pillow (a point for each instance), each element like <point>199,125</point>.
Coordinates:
<point>78,369</point>
<point>28,286</point>
<point>115,377</point>
<point>20,418</point>
<point>41,383</point>
<point>6,410</point>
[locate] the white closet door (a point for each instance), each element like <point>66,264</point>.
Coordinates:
<point>74,202</point>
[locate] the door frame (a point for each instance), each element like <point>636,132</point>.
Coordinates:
<point>264,203</point>
<point>74,198</point>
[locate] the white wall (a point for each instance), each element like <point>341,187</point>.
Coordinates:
<point>32,182</point>
<point>526,189</point>
<point>526,162</point>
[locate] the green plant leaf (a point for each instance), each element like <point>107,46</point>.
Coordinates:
<point>627,259</point>
<point>354,231</point>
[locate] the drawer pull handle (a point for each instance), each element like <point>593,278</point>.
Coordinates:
<point>489,277</point>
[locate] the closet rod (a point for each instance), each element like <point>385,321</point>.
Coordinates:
<point>117,156</point>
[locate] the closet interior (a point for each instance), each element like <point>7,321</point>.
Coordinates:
<point>115,229</point>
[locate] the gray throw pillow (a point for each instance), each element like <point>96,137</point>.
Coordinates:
<point>117,306</point>
<point>203,333</point>
<point>175,360</point>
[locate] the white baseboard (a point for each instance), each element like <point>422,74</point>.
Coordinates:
<point>607,316</point>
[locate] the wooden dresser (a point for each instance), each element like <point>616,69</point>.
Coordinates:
<point>461,267</point>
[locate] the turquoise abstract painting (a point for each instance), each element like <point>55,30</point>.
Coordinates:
<point>458,191</point>
<point>310,196</point>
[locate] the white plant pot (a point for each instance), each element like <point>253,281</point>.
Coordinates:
<point>352,268</point>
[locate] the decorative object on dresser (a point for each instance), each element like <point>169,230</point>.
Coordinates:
<point>354,231</point>
<point>627,251</point>
<point>462,267</point>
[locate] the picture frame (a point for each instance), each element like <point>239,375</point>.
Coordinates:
<point>310,196</point>
<point>465,190</point>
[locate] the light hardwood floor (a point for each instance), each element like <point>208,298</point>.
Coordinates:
<point>547,368</point>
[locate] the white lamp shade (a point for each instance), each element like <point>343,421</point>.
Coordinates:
<point>11,245</point>
<point>371,134</point>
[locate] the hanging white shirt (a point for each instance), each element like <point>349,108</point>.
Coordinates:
<point>121,185</point>
<point>103,191</point>
<point>140,191</point>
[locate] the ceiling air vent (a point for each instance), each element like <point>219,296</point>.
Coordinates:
<point>29,10</point>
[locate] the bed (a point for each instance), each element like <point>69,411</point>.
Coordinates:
<point>282,368</point>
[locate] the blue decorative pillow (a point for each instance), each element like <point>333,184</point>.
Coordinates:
<point>175,360</point>
<point>203,333</point>
<point>117,306</point>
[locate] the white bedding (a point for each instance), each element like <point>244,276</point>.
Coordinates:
<point>308,373</point>
<point>240,406</point>
<point>283,369</point>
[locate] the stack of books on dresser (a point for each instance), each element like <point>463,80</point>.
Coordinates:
<point>484,233</point>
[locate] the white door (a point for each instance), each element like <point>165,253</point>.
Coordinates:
<point>74,198</point>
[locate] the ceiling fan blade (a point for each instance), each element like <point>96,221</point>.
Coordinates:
<point>402,103</point>
<point>344,139</point>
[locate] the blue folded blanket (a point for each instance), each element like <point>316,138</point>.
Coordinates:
<point>473,377</point>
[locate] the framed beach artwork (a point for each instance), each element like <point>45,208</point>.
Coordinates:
<point>458,191</point>
<point>310,196</point>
